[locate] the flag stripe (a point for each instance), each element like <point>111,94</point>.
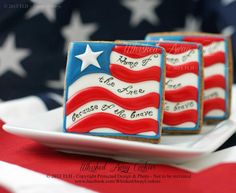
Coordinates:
<point>214,81</point>
<point>113,84</point>
<point>188,79</point>
<point>182,94</point>
<point>217,57</point>
<point>217,68</point>
<point>203,39</point>
<point>178,48</point>
<point>214,92</point>
<point>124,74</point>
<point>180,106</point>
<point>112,108</point>
<point>185,57</point>
<point>182,125</point>
<point>214,47</point>
<point>98,93</point>
<point>135,64</point>
<point>180,117</point>
<point>99,120</point>
<point>215,112</point>
<point>137,51</point>
<point>174,71</point>
<point>211,104</point>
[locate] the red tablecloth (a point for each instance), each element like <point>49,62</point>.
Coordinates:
<point>31,155</point>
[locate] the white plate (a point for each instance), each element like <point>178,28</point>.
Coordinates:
<point>47,129</point>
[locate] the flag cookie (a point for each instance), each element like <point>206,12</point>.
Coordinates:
<point>183,86</point>
<point>218,71</point>
<point>114,90</point>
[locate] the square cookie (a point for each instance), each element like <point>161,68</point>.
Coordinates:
<point>218,71</point>
<point>114,90</point>
<point>183,107</point>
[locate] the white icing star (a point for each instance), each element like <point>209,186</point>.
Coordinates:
<point>192,24</point>
<point>10,57</point>
<point>229,30</point>
<point>57,84</point>
<point>89,58</point>
<point>142,10</point>
<point>47,8</point>
<point>77,31</point>
<point>227,2</point>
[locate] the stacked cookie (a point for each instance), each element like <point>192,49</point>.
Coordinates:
<point>136,90</point>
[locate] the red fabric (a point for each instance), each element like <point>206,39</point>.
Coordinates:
<point>4,190</point>
<point>34,156</point>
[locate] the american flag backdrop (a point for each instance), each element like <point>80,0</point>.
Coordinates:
<point>34,37</point>
<point>114,89</point>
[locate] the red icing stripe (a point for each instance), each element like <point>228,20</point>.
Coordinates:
<point>127,75</point>
<point>97,93</point>
<point>137,51</point>
<point>177,48</point>
<point>182,94</point>
<point>174,71</point>
<point>214,81</point>
<point>211,104</point>
<point>105,120</point>
<point>217,57</point>
<point>180,117</point>
<point>204,40</point>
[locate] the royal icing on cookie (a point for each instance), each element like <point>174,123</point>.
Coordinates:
<point>114,89</point>
<point>182,107</point>
<point>216,72</point>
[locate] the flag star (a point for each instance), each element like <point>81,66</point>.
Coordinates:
<point>47,8</point>
<point>57,84</point>
<point>229,30</point>
<point>142,10</point>
<point>227,2</point>
<point>56,97</point>
<point>77,31</point>
<point>10,57</point>
<point>89,58</point>
<point>192,24</point>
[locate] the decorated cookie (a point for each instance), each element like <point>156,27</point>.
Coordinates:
<point>183,86</point>
<point>217,71</point>
<point>114,90</point>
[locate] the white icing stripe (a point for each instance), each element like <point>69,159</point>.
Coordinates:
<point>215,113</point>
<point>214,47</point>
<point>212,93</point>
<point>188,79</point>
<point>108,130</point>
<point>178,59</point>
<point>182,125</point>
<point>114,85</point>
<point>148,133</point>
<point>111,108</point>
<point>216,69</point>
<point>135,63</point>
<point>174,107</point>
